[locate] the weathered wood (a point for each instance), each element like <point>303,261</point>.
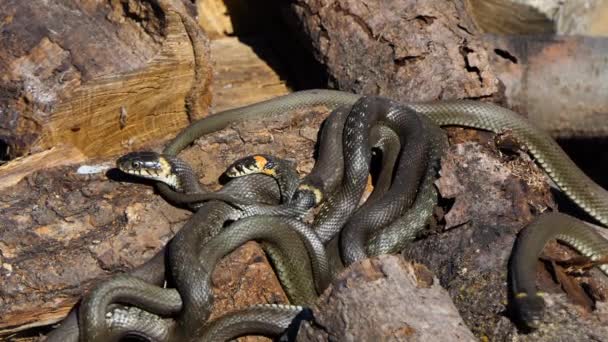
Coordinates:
<point>64,228</point>
<point>585,17</point>
<point>492,196</point>
<point>557,82</point>
<point>214,19</point>
<point>385,299</point>
<point>91,75</point>
<point>11,173</point>
<point>431,50</point>
<point>509,17</point>
<point>240,76</point>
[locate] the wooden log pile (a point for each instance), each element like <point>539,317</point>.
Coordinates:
<point>84,82</point>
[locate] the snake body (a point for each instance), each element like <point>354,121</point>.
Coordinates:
<point>583,191</point>
<point>404,229</point>
<point>588,195</point>
<point>577,186</point>
<point>130,321</point>
<point>529,303</point>
<point>374,215</point>
<point>287,246</point>
<point>266,320</point>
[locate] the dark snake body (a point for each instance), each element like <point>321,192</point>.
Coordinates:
<point>394,237</point>
<point>302,244</point>
<point>572,181</point>
<point>255,187</point>
<point>374,215</point>
<point>584,192</point>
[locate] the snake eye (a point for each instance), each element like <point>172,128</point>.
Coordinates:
<point>136,164</point>
<point>269,165</point>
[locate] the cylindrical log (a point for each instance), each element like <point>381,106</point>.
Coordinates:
<point>91,74</point>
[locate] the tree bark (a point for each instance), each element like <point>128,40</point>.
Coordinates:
<point>432,50</point>
<point>407,50</point>
<point>382,299</point>
<point>91,74</point>
<point>65,228</point>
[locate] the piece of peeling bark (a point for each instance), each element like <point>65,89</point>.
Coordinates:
<point>385,298</point>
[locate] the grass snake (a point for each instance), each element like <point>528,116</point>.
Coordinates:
<point>571,181</point>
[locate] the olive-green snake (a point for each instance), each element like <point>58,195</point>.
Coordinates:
<point>577,186</point>
<point>574,183</point>
<point>583,191</point>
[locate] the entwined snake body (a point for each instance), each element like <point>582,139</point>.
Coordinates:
<point>577,186</point>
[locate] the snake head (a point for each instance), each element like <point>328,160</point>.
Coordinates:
<point>257,163</point>
<point>149,165</point>
<point>530,309</point>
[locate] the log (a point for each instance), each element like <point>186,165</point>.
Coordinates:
<point>65,228</point>
<point>231,59</point>
<point>240,76</point>
<point>558,82</point>
<point>432,50</point>
<point>91,74</point>
<point>407,50</point>
<point>385,299</point>
<point>490,197</point>
<point>544,16</point>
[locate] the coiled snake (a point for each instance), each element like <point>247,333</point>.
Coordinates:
<point>574,183</point>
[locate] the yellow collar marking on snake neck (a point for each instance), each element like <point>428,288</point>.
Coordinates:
<point>165,174</point>
<point>315,191</point>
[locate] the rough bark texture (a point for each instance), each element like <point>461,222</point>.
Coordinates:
<point>492,196</point>
<point>431,50</point>
<point>65,228</point>
<point>409,50</point>
<point>385,299</point>
<point>92,73</point>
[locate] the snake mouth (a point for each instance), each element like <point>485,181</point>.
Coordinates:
<point>149,165</point>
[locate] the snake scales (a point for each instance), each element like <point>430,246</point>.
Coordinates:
<point>577,186</point>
